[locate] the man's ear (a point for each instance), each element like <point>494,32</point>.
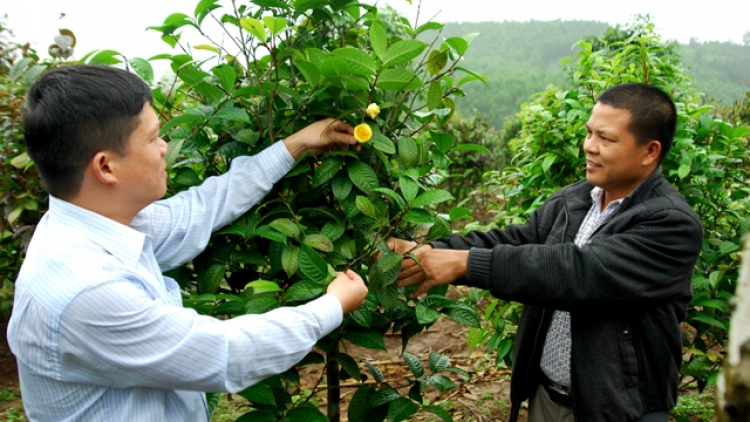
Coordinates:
<point>653,151</point>
<point>104,167</point>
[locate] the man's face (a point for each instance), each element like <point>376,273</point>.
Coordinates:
<point>614,160</point>
<point>143,176</point>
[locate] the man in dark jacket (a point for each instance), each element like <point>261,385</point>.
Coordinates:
<point>603,267</point>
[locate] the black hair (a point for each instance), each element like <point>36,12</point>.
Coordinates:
<point>653,113</point>
<point>74,112</point>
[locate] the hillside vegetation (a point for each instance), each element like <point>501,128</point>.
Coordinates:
<point>522,58</point>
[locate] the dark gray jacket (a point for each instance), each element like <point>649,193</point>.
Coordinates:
<point>626,290</point>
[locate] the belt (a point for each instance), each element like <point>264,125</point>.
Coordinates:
<point>558,393</point>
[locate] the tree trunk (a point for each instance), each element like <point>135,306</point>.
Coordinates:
<point>733,393</point>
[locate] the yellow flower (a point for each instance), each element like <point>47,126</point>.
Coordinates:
<point>362,133</point>
<point>373,110</point>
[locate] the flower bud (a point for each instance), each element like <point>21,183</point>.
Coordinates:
<point>373,110</point>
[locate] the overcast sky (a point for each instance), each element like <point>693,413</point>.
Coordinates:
<point>120,25</point>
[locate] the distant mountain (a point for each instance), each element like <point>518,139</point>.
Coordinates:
<point>521,58</point>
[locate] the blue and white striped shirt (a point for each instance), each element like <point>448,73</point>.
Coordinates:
<point>101,335</point>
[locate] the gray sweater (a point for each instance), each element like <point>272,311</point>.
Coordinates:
<point>627,290</point>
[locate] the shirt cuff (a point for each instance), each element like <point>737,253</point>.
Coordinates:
<point>275,160</point>
<point>478,270</point>
<point>328,311</point>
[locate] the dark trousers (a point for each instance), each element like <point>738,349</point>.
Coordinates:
<point>543,409</point>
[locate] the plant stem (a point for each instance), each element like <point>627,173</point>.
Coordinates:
<point>334,386</point>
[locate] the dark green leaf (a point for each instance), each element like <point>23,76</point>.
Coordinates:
<point>341,187</point>
<point>261,304</point>
<point>304,414</point>
<point>312,265</point>
<point>309,71</point>
<point>259,393</point>
<point>393,195</point>
<point>465,316</point>
<point>441,382</point>
<point>363,176</point>
<point>383,396</point>
<point>327,169</point>
<point>401,409</point>
<point>415,365</point>
<point>382,143</point>
<point>426,315</point>
<point>269,233</point>
<point>226,75</point>
<point>305,290</point>
<point>370,339</point>
<point>472,147</point>
<point>439,412</point>
<point>358,405</point>
<point>419,216</point>
<point>434,95</point>
<point>438,362</point>
<point>432,197</point>
<point>408,153</point>
<point>408,187</point>
<point>208,281</point>
<point>349,365</point>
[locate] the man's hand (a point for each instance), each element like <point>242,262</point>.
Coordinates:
<point>438,266</point>
<point>349,289</point>
<point>321,136</point>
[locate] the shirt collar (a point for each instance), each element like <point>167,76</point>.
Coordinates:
<point>597,196</point>
<point>123,242</point>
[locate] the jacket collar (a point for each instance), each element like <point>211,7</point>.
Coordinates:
<point>579,194</point>
<point>123,242</point>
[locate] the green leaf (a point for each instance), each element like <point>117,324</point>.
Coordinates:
<point>349,365</point>
<point>429,26</point>
<point>383,396</point>
<point>304,5</point>
<point>398,79</point>
<point>503,349</point>
<point>303,291</point>
<point>327,169</point>
<point>415,365</point>
<point>439,412</point>
<point>334,66</point>
<point>203,8</point>
<point>233,114</point>
<point>441,382</point>
<point>357,410</point>
<point>366,207</point>
<point>341,187</point>
<point>459,213</point>
<point>438,362</point>
<point>403,52</point>
<point>309,71</point>
<point>363,176</point>
<point>370,339</point>
<point>408,152</point>
<point>274,24</point>
<point>305,414</point>
<point>401,409</point>
<point>472,147</point>
<point>382,143</point>
<point>263,286</point>
<point>425,315</point>
<point>443,141</point>
<point>286,227</point>
<point>259,393</point>
<point>105,57</point>
<point>465,316</point>
<point>683,171</point>
<point>271,3</point>
<point>408,187</point>
<point>378,38</point>
<point>261,304</point>
<point>254,27</point>
<point>710,303</point>
<point>312,265</point>
<point>319,242</point>
<point>226,75</point>
<point>173,151</point>
<point>358,62</point>
<point>376,373</point>
<point>728,247</point>
<point>436,61</point>
<point>434,95</point>
<point>706,319</point>
<point>432,197</point>
<point>458,44</point>
<point>143,69</point>
<point>208,281</point>
<point>418,216</point>
<point>268,233</point>
<point>290,260</point>
<point>393,195</point>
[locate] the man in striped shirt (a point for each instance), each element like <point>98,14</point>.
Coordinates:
<point>99,332</point>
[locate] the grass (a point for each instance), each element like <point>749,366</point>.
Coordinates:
<point>11,413</point>
<point>700,407</point>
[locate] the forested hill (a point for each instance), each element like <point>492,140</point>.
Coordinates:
<point>521,58</point>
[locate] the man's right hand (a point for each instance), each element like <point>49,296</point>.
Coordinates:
<point>349,289</point>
